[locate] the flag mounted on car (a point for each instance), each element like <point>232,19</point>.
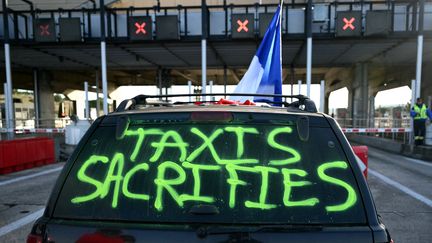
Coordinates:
<point>264,75</point>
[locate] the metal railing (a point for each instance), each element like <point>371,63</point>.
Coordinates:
<point>404,18</point>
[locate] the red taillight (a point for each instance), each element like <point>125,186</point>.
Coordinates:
<point>211,116</point>
<point>34,238</point>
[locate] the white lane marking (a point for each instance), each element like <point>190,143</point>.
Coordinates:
<point>420,162</point>
<point>21,222</point>
<point>2,183</point>
<point>401,187</point>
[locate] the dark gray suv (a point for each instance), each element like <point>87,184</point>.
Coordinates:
<point>155,171</point>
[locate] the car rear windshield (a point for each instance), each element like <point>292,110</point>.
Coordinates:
<point>255,172</point>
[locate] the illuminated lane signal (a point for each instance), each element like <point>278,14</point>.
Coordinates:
<point>44,30</point>
<point>349,23</point>
<point>242,26</point>
<point>140,28</point>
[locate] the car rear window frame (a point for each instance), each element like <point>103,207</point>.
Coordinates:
<point>321,124</point>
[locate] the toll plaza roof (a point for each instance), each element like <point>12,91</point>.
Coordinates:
<point>143,39</point>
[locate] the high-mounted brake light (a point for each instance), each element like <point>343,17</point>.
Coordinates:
<point>223,101</point>
<point>232,102</point>
<point>212,116</point>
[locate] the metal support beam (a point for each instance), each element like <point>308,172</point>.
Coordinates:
<point>203,67</point>
<point>420,50</point>
<point>103,57</point>
<point>204,35</point>
<point>9,98</point>
<point>36,96</point>
<point>87,106</point>
<point>225,77</point>
<point>413,101</point>
<point>6,115</point>
<point>309,47</point>
<point>97,93</point>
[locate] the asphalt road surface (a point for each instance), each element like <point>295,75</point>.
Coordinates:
<point>401,187</point>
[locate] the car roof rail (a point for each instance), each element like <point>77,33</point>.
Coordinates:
<point>302,102</point>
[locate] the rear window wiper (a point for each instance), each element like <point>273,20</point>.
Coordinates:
<point>289,228</point>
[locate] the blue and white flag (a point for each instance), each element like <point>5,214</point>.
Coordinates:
<point>264,75</point>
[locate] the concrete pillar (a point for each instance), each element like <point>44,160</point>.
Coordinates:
<point>36,96</point>
<point>360,96</point>
<point>46,100</point>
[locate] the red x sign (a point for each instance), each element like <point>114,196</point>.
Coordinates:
<point>242,25</point>
<point>140,28</point>
<point>349,23</point>
<point>44,30</point>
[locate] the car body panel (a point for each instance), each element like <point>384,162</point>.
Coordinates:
<point>64,230</point>
<point>123,232</point>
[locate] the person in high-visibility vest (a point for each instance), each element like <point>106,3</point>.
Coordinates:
<point>419,113</point>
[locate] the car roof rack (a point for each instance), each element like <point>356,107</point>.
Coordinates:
<point>302,103</point>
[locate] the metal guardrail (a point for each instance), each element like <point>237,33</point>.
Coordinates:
<point>404,14</point>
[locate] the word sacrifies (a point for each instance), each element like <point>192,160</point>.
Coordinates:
<point>188,167</point>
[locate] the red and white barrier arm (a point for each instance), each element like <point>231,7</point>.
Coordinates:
<point>376,130</point>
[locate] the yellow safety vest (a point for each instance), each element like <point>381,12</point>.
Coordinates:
<point>421,112</point>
